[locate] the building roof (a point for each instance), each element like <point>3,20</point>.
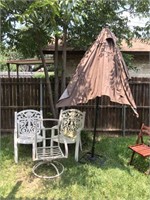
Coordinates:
<point>30,61</point>
<point>50,49</point>
<point>137,46</point>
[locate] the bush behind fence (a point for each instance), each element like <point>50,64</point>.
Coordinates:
<point>31,93</point>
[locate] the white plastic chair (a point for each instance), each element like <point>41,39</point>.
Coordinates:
<point>48,154</point>
<point>71,123</point>
<point>27,124</point>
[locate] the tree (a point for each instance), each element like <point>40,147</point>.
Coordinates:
<point>8,54</point>
<point>94,15</point>
<point>79,21</point>
<point>38,21</point>
<point>68,12</point>
<point>82,20</point>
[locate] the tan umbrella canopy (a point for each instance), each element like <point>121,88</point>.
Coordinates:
<point>102,71</point>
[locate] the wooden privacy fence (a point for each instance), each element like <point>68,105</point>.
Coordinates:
<point>31,93</point>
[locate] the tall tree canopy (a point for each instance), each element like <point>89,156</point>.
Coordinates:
<point>28,25</point>
<point>36,20</point>
<point>94,15</point>
<point>83,19</point>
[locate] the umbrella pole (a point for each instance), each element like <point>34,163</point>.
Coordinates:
<point>95,126</point>
<point>91,156</point>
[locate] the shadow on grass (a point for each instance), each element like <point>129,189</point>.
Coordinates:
<point>11,195</point>
<point>116,154</point>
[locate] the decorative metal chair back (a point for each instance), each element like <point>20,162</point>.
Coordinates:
<point>28,123</point>
<point>71,122</point>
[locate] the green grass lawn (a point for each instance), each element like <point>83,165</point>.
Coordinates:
<point>111,180</point>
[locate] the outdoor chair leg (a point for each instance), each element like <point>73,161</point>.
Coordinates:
<point>130,163</point>
<point>148,171</point>
<point>16,153</point>
<point>77,150</point>
<point>33,151</point>
<point>80,144</point>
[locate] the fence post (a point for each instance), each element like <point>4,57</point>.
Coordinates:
<point>41,95</point>
<point>124,120</point>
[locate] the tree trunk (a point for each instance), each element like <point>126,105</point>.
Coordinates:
<point>63,86</point>
<point>56,73</point>
<point>48,85</point>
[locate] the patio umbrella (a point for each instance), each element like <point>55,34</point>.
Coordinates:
<point>102,71</point>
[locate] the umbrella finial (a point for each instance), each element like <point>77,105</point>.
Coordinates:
<point>106,25</point>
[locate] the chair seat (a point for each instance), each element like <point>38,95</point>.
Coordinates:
<point>62,137</point>
<point>28,140</point>
<point>49,153</point>
<point>141,149</point>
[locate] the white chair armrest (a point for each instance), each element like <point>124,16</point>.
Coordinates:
<point>48,119</point>
<point>55,127</point>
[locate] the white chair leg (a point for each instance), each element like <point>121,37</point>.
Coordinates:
<point>16,152</point>
<point>77,150</point>
<point>80,143</point>
<point>33,151</point>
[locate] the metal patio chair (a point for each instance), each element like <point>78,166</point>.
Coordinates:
<point>141,147</point>
<point>71,123</point>
<point>49,154</point>
<point>26,125</point>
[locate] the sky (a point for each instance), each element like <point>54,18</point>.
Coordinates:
<point>135,21</point>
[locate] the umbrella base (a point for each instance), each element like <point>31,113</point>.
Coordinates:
<point>88,158</point>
